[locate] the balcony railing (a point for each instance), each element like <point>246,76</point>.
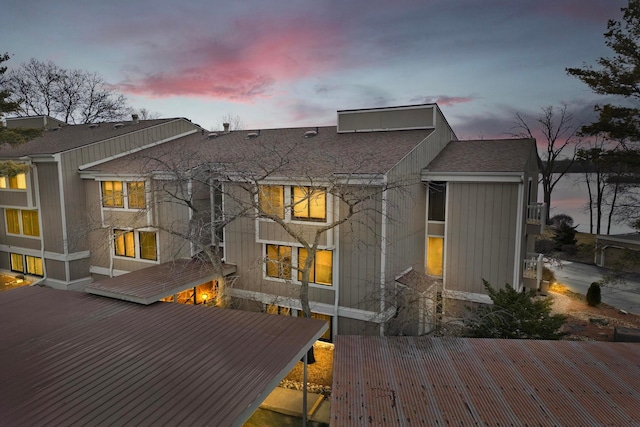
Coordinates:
<point>536,213</point>
<point>532,268</point>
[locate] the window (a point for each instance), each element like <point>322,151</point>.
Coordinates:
<point>278,309</point>
<point>22,222</point>
<point>17,263</point>
<point>148,245</point>
<point>309,204</point>
<point>271,199</point>
<point>135,195</point>
<point>136,244</point>
<point>279,261</point>
<point>435,246</point>
<point>125,243</point>
<point>34,265</point>
<point>112,195</point>
<point>321,269</point>
<point>437,200</point>
<point>18,182</point>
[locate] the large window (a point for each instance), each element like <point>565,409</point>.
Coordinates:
<point>271,199</point>
<point>136,244</point>
<point>33,264</point>
<point>437,200</point>
<point>18,182</point>
<point>435,256</point>
<point>279,261</point>
<point>309,204</point>
<point>24,222</point>
<point>115,194</point>
<point>322,268</point>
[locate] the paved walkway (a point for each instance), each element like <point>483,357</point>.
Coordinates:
<point>289,402</point>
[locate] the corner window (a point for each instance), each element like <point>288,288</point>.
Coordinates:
<point>18,182</point>
<point>136,244</point>
<point>115,194</point>
<point>437,200</point>
<point>279,261</point>
<point>24,222</point>
<point>321,269</point>
<point>309,204</point>
<point>271,200</point>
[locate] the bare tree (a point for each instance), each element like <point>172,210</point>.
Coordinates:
<point>73,96</point>
<point>557,127</point>
<point>234,121</point>
<point>146,114</point>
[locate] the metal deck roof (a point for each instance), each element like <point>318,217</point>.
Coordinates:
<point>398,381</point>
<point>71,358</point>
<point>151,284</point>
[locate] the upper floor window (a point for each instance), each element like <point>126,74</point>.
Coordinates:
<point>115,194</point>
<point>279,261</point>
<point>437,200</point>
<point>23,222</point>
<point>322,268</point>
<point>18,182</point>
<point>271,200</point>
<point>136,244</point>
<point>309,204</point>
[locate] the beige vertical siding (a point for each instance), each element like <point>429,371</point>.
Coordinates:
<point>56,270</point>
<point>50,207</point>
<point>480,240</point>
<point>16,199</point>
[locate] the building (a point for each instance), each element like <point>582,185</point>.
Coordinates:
<point>401,215</point>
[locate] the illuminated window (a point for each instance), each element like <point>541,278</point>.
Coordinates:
<point>279,261</point>
<point>271,199</point>
<point>322,268</point>
<point>278,309</point>
<point>17,263</point>
<point>112,196</point>
<point>125,243</point>
<point>13,221</point>
<point>22,222</point>
<point>148,245</point>
<point>18,182</point>
<point>309,204</point>
<point>34,265</point>
<point>435,246</point>
<point>135,195</point>
<point>30,226</point>
<point>329,319</point>
<point>437,200</point>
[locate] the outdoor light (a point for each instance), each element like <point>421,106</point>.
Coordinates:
<point>204,298</point>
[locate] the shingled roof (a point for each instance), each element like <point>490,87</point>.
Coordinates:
<point>495,155</point>
<point>326,152</point>
<point>60,139</point>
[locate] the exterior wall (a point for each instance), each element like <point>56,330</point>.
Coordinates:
<point>48,184</point>
<point>481,235</point>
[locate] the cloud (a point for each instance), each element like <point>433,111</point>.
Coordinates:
<point>442,100</point>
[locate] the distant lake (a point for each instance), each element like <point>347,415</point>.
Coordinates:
<point>570,196</point>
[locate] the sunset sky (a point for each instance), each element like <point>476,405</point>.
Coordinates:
<point>294,63</point>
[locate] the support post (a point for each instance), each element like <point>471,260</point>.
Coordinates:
<point>304,391</point>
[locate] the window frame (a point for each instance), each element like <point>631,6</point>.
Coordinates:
<point>314,268</point>
<point>275,209</point>
<point>309,195</point>
<point>25,264</point>
<point>6,182</point>
<point>133,249</point>
<point>296,273</point>
<point>280,265</point>
<point>22,217</point>
<point>126,191</point>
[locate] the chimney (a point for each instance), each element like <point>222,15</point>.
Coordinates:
<point>134,118</point>
<point>226,127</point>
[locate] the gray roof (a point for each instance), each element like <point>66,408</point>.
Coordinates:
<point>151,284</point>
<point>68,137</point>
<point>325,153</point>
<point>71,358</point>
<point>397,381</point>
<point>496,155</point>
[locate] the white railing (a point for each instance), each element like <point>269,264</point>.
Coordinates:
<point>536,213</point>
<point>532,268</point>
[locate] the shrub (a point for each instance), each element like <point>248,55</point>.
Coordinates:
<point>556,220</point>
<point>569,249</point>
<point>594,294</point>
<point>545,246</point>
<point>565,235</point>
<point>514,315</point>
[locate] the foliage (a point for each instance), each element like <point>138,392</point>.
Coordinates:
<point>73,96</point>
<point>617,75</point>
<point>11,136</point>
<point>594,295</point>
<point>558,219</point>
<point>565,235</point>
<point>545,246</point>
<point>10,169</point>
<point>515,315</point>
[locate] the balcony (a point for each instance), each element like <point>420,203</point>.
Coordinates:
<point>532,270</point>
<point>536,215</point>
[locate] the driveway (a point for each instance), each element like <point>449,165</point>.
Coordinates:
<point>578,277</point>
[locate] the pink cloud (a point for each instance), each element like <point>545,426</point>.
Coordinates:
<point>246,64</point>
<point>443,100</point>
